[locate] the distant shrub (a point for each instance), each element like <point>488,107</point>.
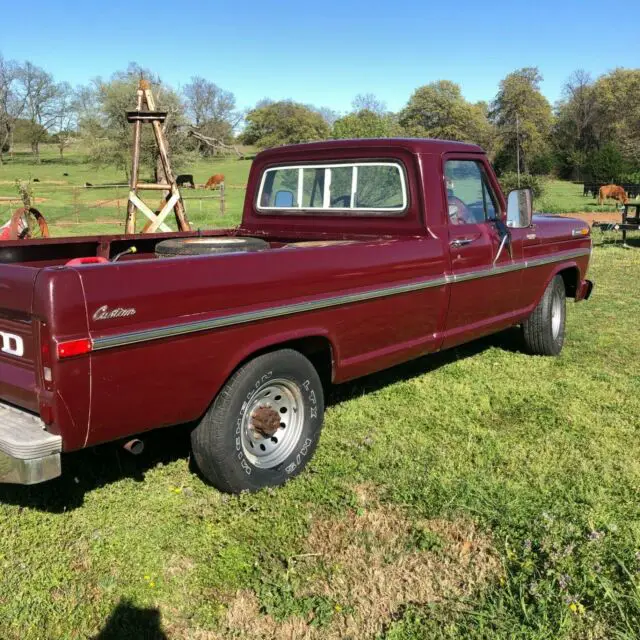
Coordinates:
<point>606,164</point>
<point>509,182</point>
<point>630,178</point>
<point>542,164</point>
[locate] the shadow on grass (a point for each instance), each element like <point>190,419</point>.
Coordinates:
<point>129,622</point>
<point>614,239</point>
<point>508,340</point>
<point>26,158</point>
<point>90,469</point>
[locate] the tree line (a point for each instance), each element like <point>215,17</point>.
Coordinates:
<point>591,133</point>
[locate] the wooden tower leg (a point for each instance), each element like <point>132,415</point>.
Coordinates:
<point>173,199</point>
<point>179,210</point>
<point>130,226</point>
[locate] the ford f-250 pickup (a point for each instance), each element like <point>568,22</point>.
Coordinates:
<point>352,256</point>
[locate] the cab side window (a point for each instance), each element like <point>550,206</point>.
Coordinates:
<point>470,199</point>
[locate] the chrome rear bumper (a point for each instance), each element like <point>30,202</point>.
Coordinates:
<point>28,453</point>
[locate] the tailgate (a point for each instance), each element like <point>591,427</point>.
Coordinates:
<point>17,336</point>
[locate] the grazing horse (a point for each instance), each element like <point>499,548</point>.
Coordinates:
<point>214,181</point>
<point>612,191</point>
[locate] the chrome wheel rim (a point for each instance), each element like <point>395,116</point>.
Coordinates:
<point>272,423</point>
<point>556,316</point>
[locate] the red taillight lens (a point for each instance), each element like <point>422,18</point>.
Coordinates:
<point>73,348</point>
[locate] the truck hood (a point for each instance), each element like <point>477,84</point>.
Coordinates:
<point>551,227</point>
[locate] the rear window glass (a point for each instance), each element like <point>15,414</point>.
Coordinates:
<point>346,187</point>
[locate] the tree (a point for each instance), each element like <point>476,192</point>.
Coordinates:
<point>271,124</point>
<point>365,124</point>
<point>618,119</point>
<point>438,110</point>
<point>597,131</point>
<point>103,122</point>
<point>212,112</point>
<point>329,115</point>
<point>606,164</point>
<point>66,120</point>
<point>369,102</point>
<point>574,133</point>
<point>11,104</point>
<point>41,97</point>
<point>523,119</point>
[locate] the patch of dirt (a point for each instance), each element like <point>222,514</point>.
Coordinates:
<point>19,201</point>
<point>178,565</point>
<point>369,565</point>
<point>591,217</point>
<point>68,223</point>
<point>114,202</point>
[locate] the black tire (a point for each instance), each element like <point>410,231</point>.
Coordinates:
<point>206,246</point>
<point>223,441</point>
<point>544,329</point>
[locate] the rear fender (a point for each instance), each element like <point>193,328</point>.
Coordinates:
<point>285,339</point>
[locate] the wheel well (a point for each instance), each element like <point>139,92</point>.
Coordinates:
<point>571,277</point>
<point>316,349</point>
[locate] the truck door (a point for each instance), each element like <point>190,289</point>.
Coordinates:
<point>485,280</point>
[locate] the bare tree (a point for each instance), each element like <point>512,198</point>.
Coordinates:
<point>213,113</point>
<point>369,102</point>
<point>11,106</point>
<point>328,114</point>
<point>67,116</point>
<point>41,96</point>
<point>580,100</point>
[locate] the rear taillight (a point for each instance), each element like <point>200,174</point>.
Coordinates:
<point>45,357</point>
<point>73,348</point>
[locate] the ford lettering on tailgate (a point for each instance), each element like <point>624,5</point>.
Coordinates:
<point>11,344</point>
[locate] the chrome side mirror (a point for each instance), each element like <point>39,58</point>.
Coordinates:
<point>519,209</point>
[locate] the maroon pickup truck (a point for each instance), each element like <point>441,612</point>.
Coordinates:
<point>352,256</point>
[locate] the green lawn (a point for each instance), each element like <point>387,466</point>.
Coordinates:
<point>565,197</point>
<point>477,493</point>
<point>72,209</point>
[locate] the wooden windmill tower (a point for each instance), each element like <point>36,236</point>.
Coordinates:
<point>146,113</point>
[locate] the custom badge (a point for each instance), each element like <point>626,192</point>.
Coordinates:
<point>104,313</point>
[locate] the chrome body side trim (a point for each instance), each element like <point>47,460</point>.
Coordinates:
<point>145,335</point>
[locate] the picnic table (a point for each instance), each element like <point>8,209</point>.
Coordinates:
<point>629,222</point>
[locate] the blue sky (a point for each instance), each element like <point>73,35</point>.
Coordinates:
<point>325,52</point>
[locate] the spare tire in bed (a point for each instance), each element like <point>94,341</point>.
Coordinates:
<point>207,246</point>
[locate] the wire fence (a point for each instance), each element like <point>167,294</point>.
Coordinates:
<point>102,208</point>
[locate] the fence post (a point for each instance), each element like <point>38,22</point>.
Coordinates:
<point>76,207</point>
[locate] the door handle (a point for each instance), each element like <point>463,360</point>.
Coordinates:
<point>461,242</point>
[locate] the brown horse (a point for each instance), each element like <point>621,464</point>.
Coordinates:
<point>612,191</point>
<point>214,181</point>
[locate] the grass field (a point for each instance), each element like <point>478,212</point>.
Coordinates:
<point>478,493</point>
<point>72,209</point>
<point>566,197</point>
